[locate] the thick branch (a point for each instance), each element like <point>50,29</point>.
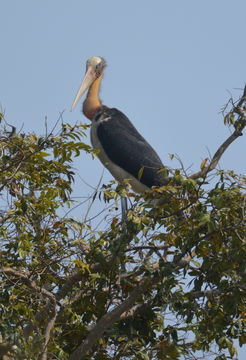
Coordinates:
<point>47,332</point>
<point>205,293</point>
<point>108,319</point>
<point>119,312</point>
<point>132,312</point>
<point>74,279</point>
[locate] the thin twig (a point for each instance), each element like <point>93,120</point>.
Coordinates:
<point>51,304</point>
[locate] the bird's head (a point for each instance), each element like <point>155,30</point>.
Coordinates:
<point>94,69</point>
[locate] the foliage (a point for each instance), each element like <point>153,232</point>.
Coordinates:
<point>169,283</point>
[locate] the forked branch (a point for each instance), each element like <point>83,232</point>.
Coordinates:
<point>109,318</point>
<point>28,282</point>
<point>120,311</point>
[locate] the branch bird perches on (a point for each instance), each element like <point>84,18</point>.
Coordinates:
<point>115,314</point>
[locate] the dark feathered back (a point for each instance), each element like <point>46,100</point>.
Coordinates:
<point>127,148</point>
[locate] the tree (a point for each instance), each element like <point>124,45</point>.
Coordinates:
<point>168,283</point>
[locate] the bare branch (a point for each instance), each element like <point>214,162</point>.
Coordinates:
<point>47,332</point>
<point>132,312</point>
<point>239,126</point>
<point>205,293</point>
<point>30,283</point>
<point>212,165</point>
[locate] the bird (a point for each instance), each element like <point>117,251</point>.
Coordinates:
<point>122,149</point>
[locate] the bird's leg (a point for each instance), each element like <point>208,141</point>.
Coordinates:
<point>124,208</point>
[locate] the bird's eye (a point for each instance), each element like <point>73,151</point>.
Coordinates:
<point>98,69</point>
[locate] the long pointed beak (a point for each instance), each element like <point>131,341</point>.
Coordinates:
<point>86,83</point>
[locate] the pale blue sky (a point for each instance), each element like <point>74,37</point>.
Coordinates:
<point>170,65</point>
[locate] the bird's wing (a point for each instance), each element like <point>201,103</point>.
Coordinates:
<point>127,148</point>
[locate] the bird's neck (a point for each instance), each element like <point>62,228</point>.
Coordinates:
<point>92,102</point>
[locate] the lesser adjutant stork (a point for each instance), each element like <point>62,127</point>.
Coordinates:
<point>122,150</point>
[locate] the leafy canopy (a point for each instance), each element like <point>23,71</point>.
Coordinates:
<point>168,283</point>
